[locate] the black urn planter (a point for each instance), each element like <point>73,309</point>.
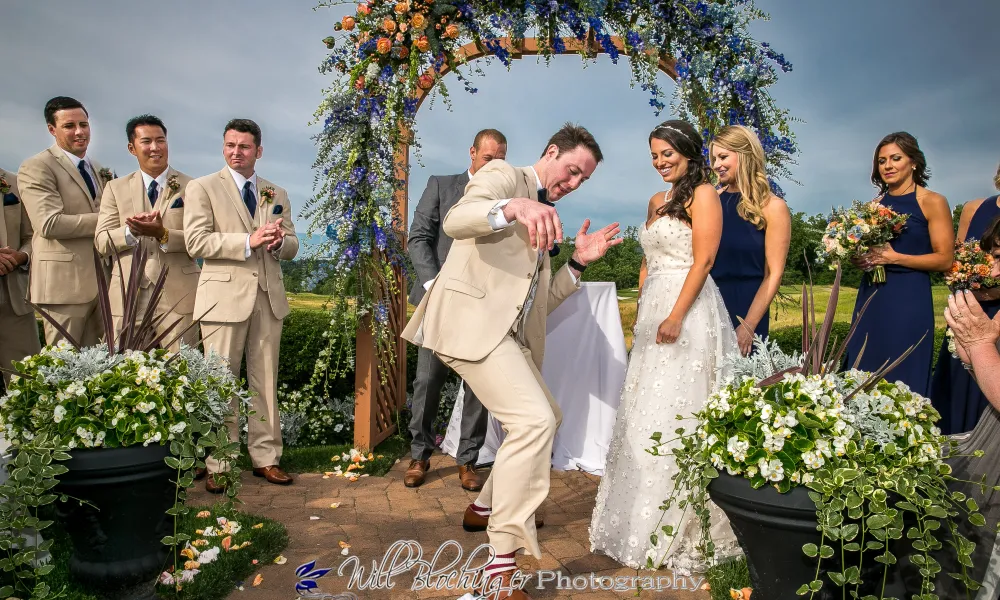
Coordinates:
<point>772,528</point>
<point>117,544</point>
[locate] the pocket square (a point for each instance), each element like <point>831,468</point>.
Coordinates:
<point>554,251</point>
<point>278,209</point>
<point>178,203</point>
<point>9,199</point>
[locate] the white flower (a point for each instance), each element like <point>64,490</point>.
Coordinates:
<point>716,461</point>
<point>765,413</point>
<point>773,470</point>
<point>737,448</point>
<point>208,555</point>
<point>59,413</point>
<point>338,428</point>
<point>790,420</point>
<point>178,428</point>
<point>813,460</point>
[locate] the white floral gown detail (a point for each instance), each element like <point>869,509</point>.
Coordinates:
<point>661,382</point>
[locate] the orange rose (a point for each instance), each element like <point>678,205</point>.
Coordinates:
<point>425,81</point>
<point>399,36</point>
<point>402,8</point>
<point>348,22</point>
<point>402,52</point>
<point>389,26</point>
<point>451,31</point>
<point>364,9</point>
<point>423,44</point>
<point>418,21</point>
<point>384,45</point>
<point>359,83</point>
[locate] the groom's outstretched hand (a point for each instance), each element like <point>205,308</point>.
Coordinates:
<point>592,246</point>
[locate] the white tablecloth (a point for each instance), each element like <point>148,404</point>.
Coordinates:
<point>584,368</point>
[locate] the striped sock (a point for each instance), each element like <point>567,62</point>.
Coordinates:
<point>482,511</point>
<point>501,563</point>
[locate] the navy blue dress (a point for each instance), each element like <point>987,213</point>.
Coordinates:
<point>954,393</point>
<point>902,309</point>
<point>740,263</point>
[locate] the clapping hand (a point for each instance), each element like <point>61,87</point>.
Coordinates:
<point>149,224</point>
<point>971,326</point>
<point>592,246</point>
<point>269,234</point>
<point>10,259</point>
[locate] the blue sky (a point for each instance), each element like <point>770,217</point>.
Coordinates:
<point>861,70</point>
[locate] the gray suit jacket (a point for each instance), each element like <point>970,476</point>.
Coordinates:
<point>428,244</point>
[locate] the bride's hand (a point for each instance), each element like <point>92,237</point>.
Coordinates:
<point>669,331</point>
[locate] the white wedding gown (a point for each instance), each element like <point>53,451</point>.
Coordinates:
<point>662,381</point>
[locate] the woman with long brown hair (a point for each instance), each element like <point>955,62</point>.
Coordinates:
<point>902,310</point>
<point>756,233</point>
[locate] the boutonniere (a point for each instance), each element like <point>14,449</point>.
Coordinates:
<point>106,174</point>
<point>267,195</point>
<point>4,186</point>
<point>172,183</point>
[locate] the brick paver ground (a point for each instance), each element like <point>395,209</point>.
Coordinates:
<point>376,512</point>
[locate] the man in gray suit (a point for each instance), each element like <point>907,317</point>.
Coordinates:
<point>428,247</point>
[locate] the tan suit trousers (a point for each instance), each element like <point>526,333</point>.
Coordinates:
<point>82,321</point>
<point>18,333</point>
<point>190,338</point>
<point>511,388</point>
<point>259,338</point>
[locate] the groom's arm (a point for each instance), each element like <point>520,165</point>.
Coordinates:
<point>470,217</point>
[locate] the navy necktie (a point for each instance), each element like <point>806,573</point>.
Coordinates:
<point>543,197</point>
<point>153,193</point>
<point>87,179</point>
<point>249,199</point>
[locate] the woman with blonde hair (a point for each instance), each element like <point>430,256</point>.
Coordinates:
<point>756,232</point>
<point>954,392</point>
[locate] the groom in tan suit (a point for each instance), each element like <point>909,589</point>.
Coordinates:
<point>147,207</point>
<point>61,190</point>
<point>484,316</point>
<point>18,328</point>
<point>241,224</point>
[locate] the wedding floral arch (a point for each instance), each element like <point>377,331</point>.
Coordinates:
<point>390,55</point>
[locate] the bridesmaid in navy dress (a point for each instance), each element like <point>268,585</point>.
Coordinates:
<point>756,231</point>
<point>954,392</point>
<point>902,309</point>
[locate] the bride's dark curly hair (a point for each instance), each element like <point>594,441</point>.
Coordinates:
<point>684,138</point>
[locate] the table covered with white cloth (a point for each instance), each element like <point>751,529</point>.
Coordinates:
<point>584,368</point>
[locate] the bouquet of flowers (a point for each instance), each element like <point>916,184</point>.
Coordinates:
<point>852,232</point>
<point>971,269</point>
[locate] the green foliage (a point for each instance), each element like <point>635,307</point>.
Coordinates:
<point>621,264</point>
<point>727,575</point>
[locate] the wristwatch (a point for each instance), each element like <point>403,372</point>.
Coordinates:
<point>572,263</point>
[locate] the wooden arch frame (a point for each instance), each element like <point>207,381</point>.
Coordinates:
<point>376,402</point>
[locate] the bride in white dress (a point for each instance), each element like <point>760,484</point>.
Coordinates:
<point>681,339</point>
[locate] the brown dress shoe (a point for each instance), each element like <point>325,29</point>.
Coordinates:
<point>200,473</point>
<point>470,478</point>
<point>501,587</point>
<point>416,472</point>
<point>473,521</point>
<point>212,487</point>
<point>273,474</point>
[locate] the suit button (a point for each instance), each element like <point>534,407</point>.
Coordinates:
<point>518,307</point>
<point>530,275</point>
<point>254,274</point>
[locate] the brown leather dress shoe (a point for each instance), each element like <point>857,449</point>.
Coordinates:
<point>416,472</point>
<point>470,478</point>
<point>473,521</point>
<point>212,487</point>
<point>200,473</point>
<point>501,587</point>
<point>273,474</point>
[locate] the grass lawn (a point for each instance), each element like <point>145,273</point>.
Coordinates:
<point>318,459</point>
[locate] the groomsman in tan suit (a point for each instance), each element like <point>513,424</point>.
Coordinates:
<point>18,329</point>
<point>147,208</point>
<point>484,316</point>
<point>241,224</point>
<point>61,190</point>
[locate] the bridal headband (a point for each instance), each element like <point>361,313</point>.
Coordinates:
<point>659,127</point>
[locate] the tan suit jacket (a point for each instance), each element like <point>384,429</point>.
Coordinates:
<point>126,197</point>
<point>64,218</point>
<point>216,225</point>
<point>15,232</point>
<point>484,283</point>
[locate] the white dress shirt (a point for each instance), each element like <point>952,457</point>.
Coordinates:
<point>86,163</point>
<point>240,182</point>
